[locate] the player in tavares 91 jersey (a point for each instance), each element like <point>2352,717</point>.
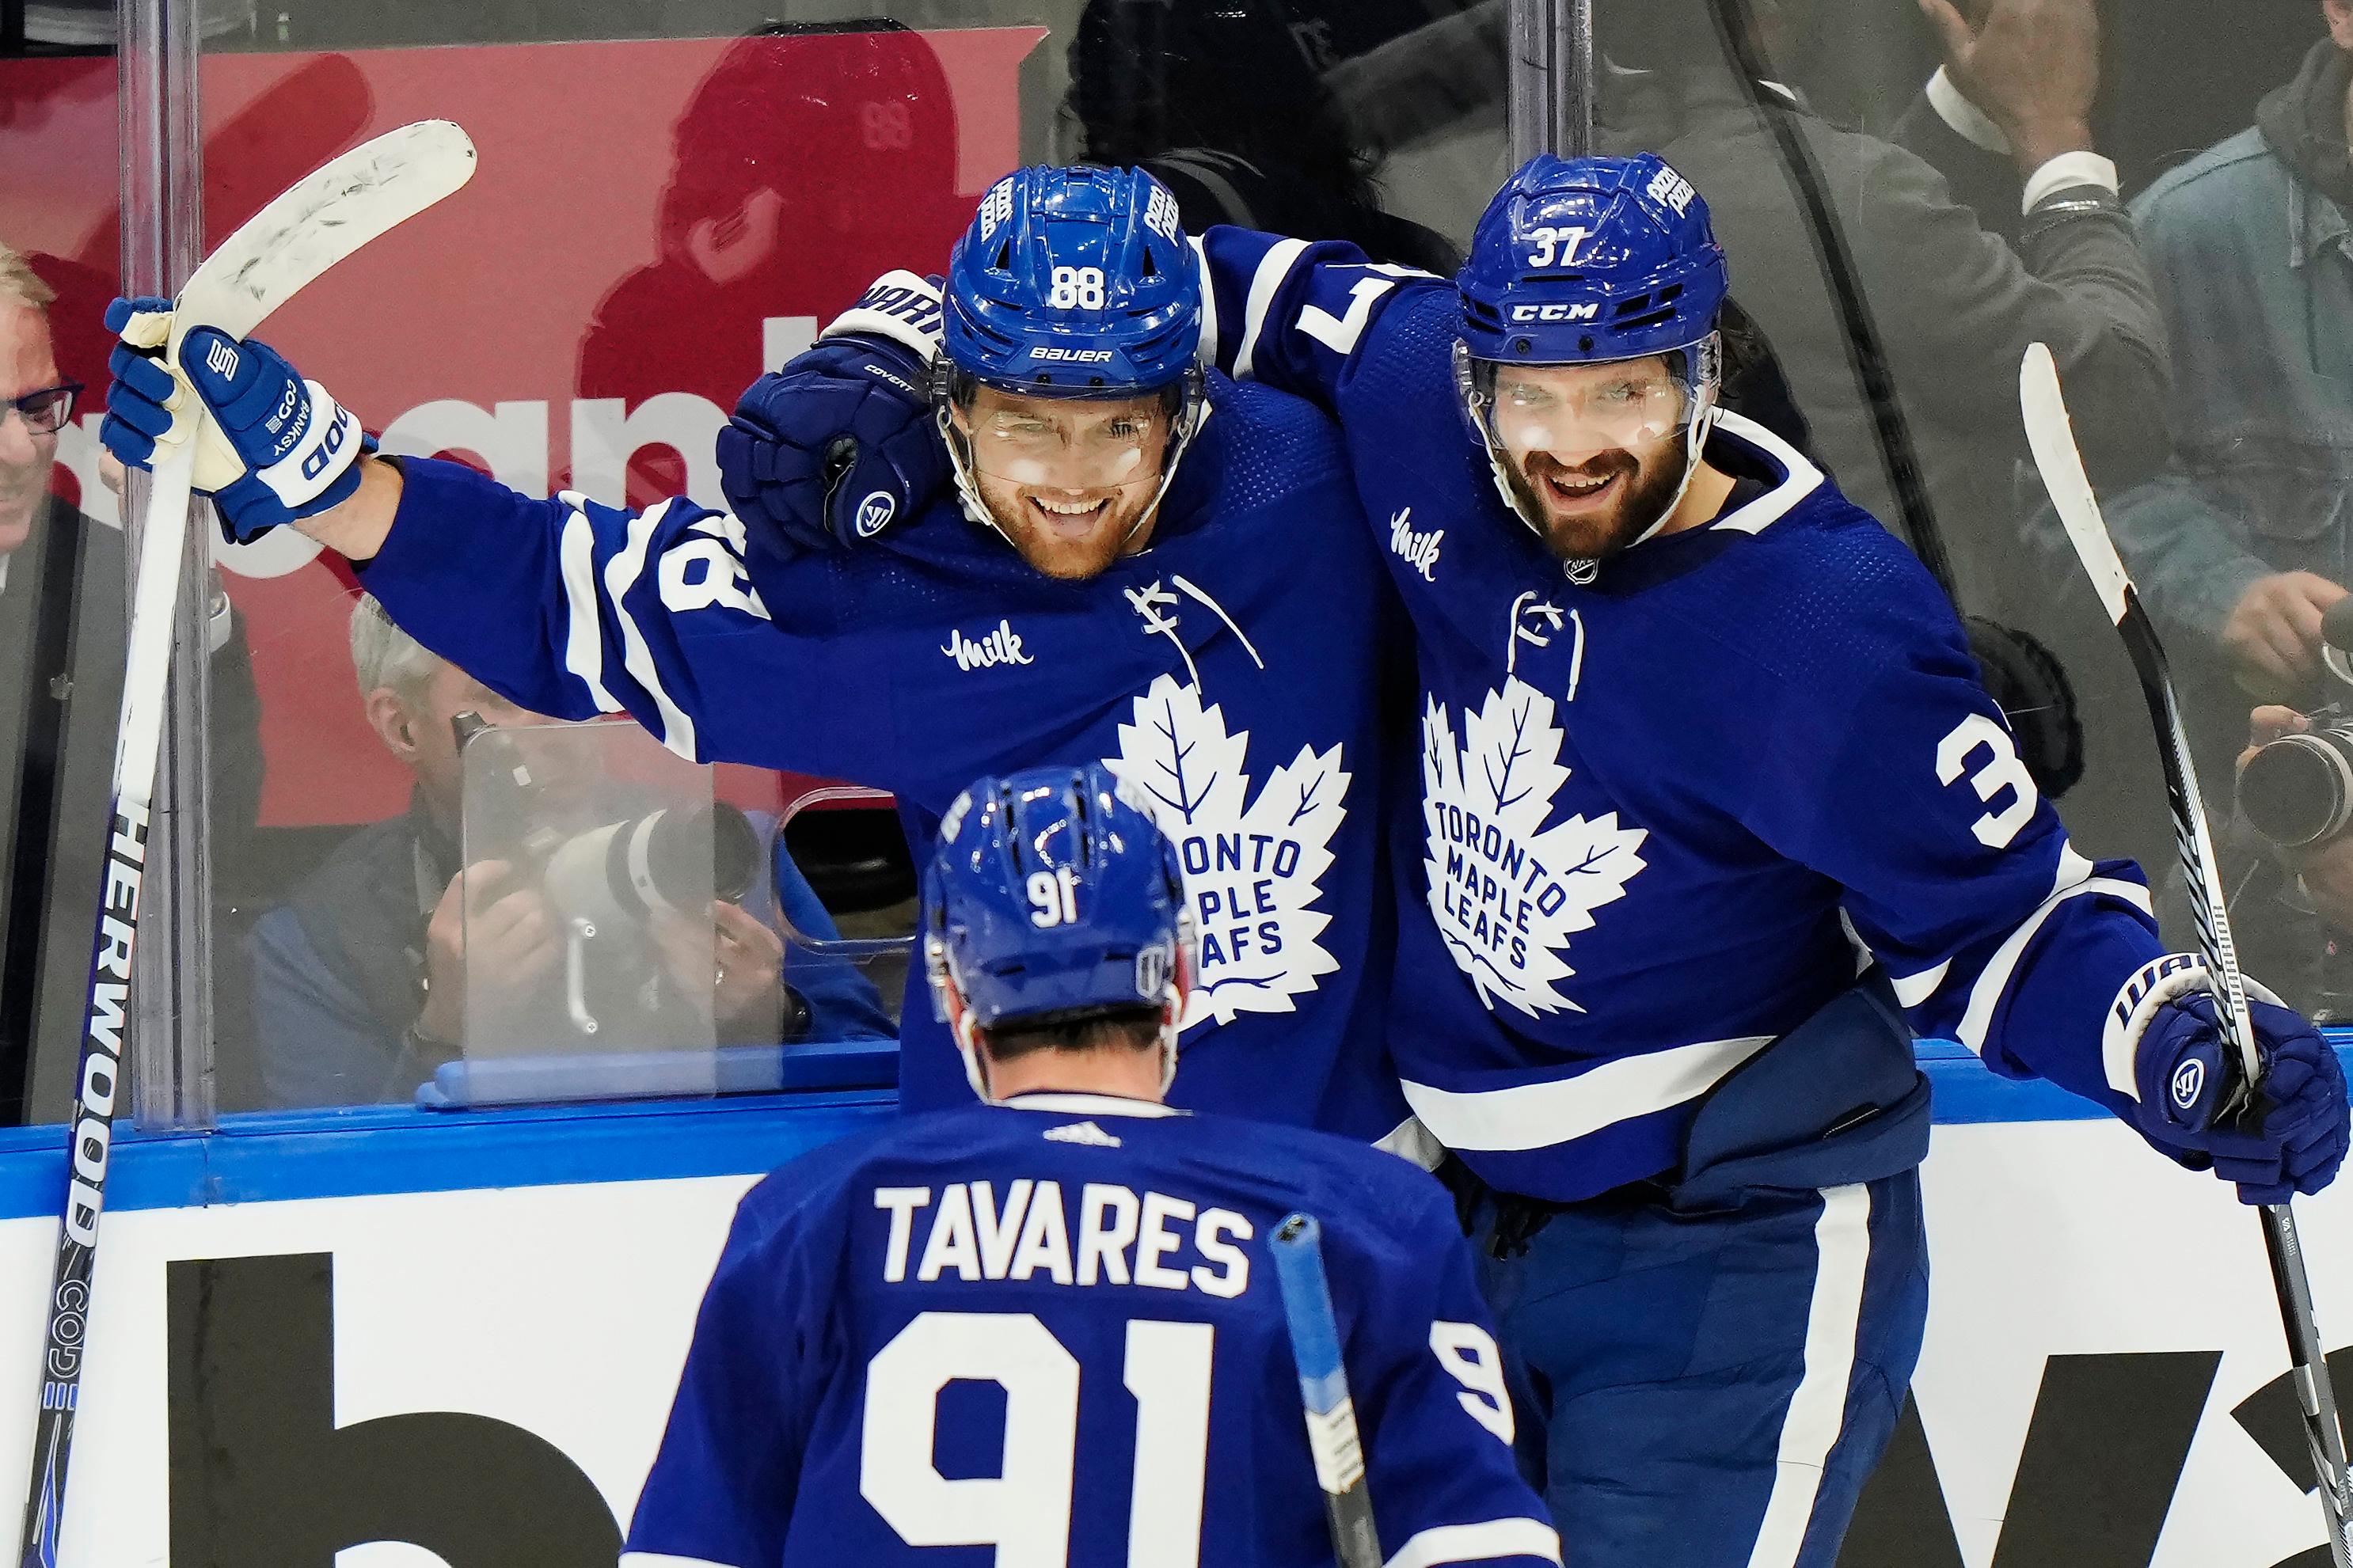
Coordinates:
<point>1715,815</point>
<point>1048,1325</point>
<point>1129,559</point>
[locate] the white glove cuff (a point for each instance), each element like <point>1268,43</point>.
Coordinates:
<point>325,448</point>
<point>900,306</point>
<point>2152,985</point>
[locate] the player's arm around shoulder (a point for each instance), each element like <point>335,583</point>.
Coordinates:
<point>1293,313</point>
<point>1428,1379</point>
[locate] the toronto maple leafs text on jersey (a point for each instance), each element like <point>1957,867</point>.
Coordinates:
<point>1660,811</point>
<point>1051,1328</point>
<point>1230,672</point>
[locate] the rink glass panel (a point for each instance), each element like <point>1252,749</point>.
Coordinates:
<point>667,207</point>
<point>671,199</point>
<point>1889,284</point>
<point>60,545</point>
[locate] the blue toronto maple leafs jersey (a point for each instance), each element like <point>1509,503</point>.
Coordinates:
<point>1049,1332</point>
<point>1660,811</point>
<point>1230,672</point>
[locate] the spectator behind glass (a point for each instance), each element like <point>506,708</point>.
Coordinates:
<point>1900,320</point>
<point>61,648</point>
<point>2246,539</point>
<point>360,977</point>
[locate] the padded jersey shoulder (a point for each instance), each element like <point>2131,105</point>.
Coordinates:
<point>1823,601</point>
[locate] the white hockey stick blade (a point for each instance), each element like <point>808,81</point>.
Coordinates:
<point>2051,435</point>
<point>319,221</point>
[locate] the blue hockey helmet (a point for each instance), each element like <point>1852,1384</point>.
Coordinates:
<point>1074,282</point>
<point>1583,260</point>
<point>1051,898</point>
<point>1586,261</point>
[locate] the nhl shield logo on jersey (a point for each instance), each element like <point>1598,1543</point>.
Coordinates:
<point>1252,865</point>
<point>1506,891</point>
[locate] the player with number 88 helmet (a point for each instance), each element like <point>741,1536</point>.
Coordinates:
<point>1052,902</point>
<point>1072,384</point>
<point>1590,360</point>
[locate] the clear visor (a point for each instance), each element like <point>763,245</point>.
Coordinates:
<point>1066,442</point>
<point>1575,410</point>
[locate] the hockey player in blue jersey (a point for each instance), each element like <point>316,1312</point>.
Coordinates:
<point>1715,815</point>
<point>1146,564</point>
<point>1048,1325</point>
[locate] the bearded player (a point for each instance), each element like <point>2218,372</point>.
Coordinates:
<point>1702,743</point>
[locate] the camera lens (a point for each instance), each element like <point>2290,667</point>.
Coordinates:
<point>661,858</point>
<point>2298,789</point>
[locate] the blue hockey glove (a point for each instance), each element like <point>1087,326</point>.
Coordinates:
<point>840,443</point>
<point>2291,1137</point>
<point>277,447</point>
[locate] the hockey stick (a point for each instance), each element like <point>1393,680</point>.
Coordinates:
<point>315,224</point>
<point>2052,436</point>
<point>1298,1249</point>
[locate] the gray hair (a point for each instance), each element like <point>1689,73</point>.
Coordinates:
<point>384,656</point>
<point>19,282</point>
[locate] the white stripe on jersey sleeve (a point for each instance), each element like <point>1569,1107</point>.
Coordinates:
<point>1272,268</point>
<point>584,631</point>
<point>1209,351</point>
<point>661,1560</point>
<point>621,574</point>
<point>1993,980</point>
<point>1481,1543</point>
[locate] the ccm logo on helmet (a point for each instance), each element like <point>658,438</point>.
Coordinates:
<point>1555,312</point>
<point>1075,356</point>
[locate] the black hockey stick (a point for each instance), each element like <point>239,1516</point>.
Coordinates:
<point>315,224</point>
<point>2052,436</point>
<point>1332,1437</point>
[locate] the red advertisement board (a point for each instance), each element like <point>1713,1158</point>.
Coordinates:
<point>653,224</point>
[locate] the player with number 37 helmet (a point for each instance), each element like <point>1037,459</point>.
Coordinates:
<point>1590,361</point>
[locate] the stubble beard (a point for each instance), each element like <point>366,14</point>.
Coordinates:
<point>1067,560</point>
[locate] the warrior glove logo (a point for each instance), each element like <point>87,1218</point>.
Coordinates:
<point>874,514</point>
<point>2188,1083</point>
<point>1507,893</point>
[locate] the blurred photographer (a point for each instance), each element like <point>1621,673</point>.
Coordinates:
<point>361,978</point>
<point>2290,858</point>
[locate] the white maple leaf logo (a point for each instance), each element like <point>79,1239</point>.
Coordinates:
<point>1508,893</point>
<point>1252,867</point>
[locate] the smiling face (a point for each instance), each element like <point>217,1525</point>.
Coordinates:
<point>1595,453</point>
<point>28,364</point>
<point>1067,480</point>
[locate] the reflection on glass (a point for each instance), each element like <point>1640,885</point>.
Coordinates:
<point>1888,283</point>
<point>2241,547</point>
<point>552,891</point>
<point>61,556</point>
<point>1280,116</point>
